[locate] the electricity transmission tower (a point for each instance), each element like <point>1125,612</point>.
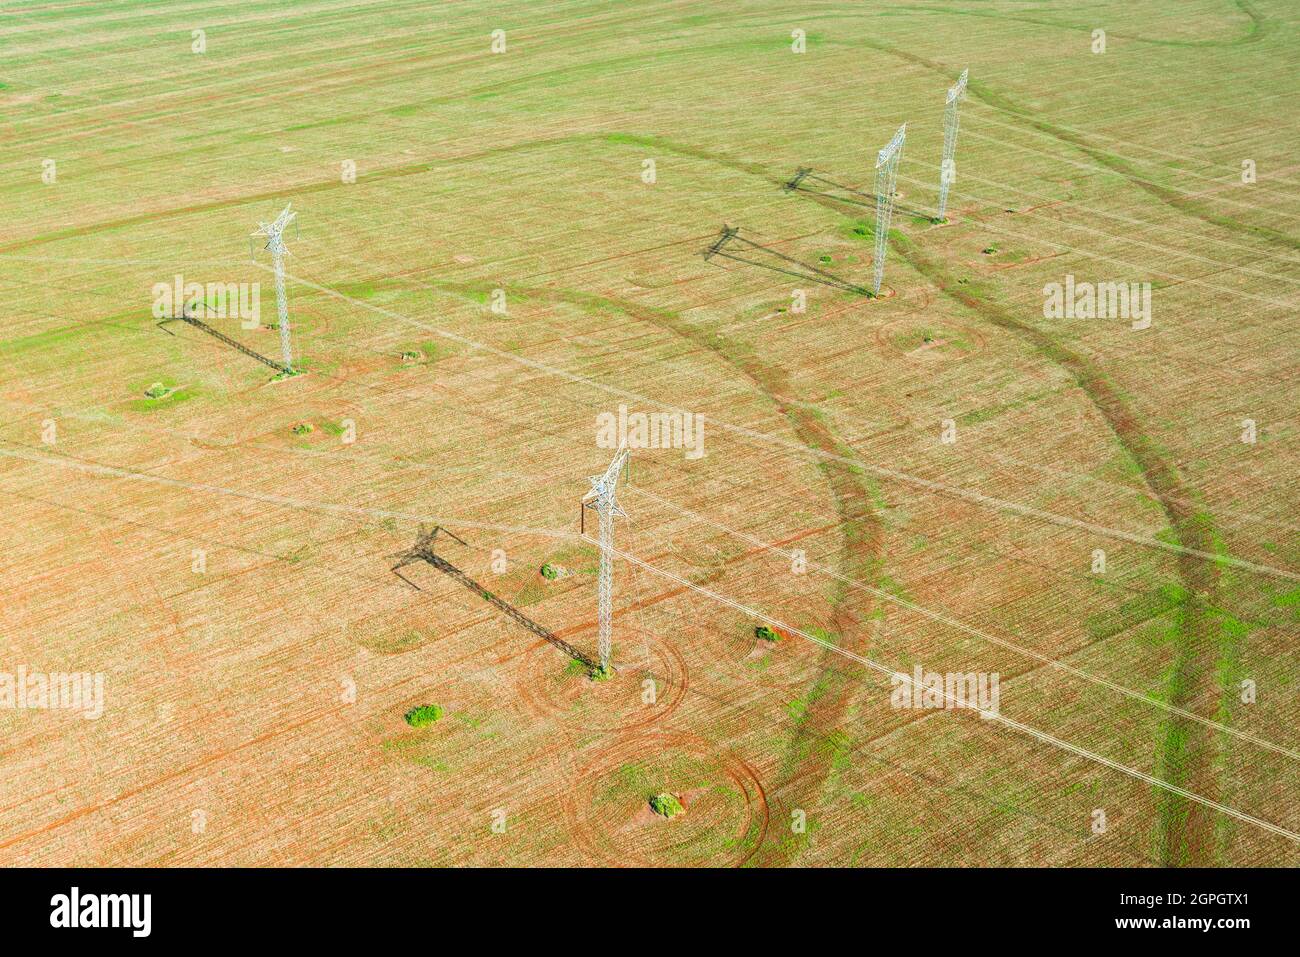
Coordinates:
<point>601,498</point>
<point>274,233</point>
<point>886,178</point>
<point>951,120</point>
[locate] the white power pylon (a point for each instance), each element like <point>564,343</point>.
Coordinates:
<point>274,233</point>
<point>886,179</point>
<point>601,498</point>
<point>951,121</point>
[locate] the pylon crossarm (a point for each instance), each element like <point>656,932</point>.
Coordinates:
<point>891,148</point>
<point>958,89</point>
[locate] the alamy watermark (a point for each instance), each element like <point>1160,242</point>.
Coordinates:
<point>978,690</point>
<point>25,689</point>
<point>213,300</point>
<point>651,430</point>
<point>1098,300</point>
<point>133,912</point>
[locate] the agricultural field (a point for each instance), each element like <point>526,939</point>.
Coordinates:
<point>498,253</point>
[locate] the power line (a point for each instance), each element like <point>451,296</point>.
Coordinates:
<point>988,714</point>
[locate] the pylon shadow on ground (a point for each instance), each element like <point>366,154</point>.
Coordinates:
<point>828,188</point>
<point>423,551</point>
<point>751,253</point>
<point>220,336</point>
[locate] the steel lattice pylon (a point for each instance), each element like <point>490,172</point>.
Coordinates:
<point>274,233</point>
<point>886,179</point>
<point>602,499</point>
<point>951,122</point>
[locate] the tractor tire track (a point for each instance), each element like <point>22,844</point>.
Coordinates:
<point>1188,751</point>
<point>805,764</point>
<point>1188,755</point>
<point>1183,203</point>
<point>1186,830</point>
<point>1259,26</point>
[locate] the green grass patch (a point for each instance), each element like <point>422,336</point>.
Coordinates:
<point>666,805</point>
<point>423,715</point>
<point>159,395</point>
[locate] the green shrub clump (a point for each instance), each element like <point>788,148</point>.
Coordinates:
<point>666,805</point>
<point>766,633</point>
<point>549,572</point>
<point>156,391</point>
<point>302,428</point>
<point>423,715</point>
